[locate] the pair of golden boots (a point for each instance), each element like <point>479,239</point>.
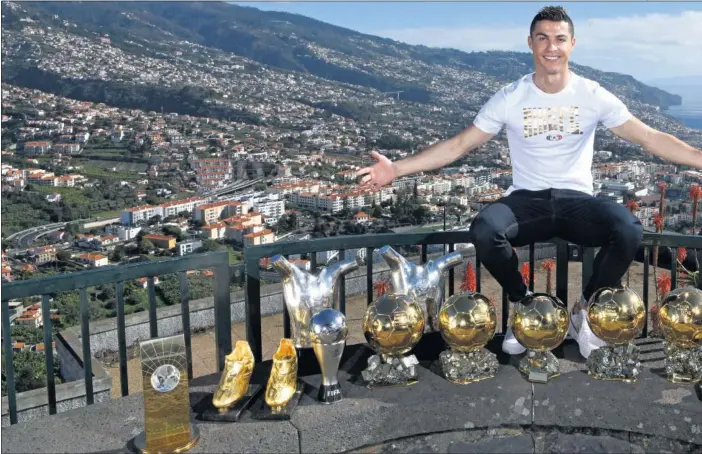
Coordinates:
<point>238,367</point>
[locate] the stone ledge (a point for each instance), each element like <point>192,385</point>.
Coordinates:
<point>503,414</point>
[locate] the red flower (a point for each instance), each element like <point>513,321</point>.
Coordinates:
<point>632,206</point>
<point>381,287</point>
<point>663,284</point>
<point>469,283</point>
<point>525,273</point>
<point>695,192</point>
<point>658,221</point>
<point>682,254</point>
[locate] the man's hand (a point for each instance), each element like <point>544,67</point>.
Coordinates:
<point>379,174</point>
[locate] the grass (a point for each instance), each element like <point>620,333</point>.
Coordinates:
<point>69,195</point>
<point>107,214</point>
<point>234,256</point>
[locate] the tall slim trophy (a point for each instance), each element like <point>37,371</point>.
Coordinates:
<point>167,426</point>
<point>328,333</point>
<point>305,294</point>
<point>681,322</point>
<point>617,316</point>
<point>426,284</point>
<point>540,323</point>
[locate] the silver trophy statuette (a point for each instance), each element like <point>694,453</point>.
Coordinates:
<point>305,294</point>
<point>328,332</point>
<point>425,283</point>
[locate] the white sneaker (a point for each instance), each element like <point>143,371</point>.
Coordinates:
<point>511,345</point>
<point>587,341</point>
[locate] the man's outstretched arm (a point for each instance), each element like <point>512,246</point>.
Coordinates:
<point>659,143</point>
<point>433,157</point>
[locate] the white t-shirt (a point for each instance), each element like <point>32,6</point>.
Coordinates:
<point>551,136</point>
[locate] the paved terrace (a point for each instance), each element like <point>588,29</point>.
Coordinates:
<point>571,413</point>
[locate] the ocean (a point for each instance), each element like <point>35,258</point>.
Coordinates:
<point>690,114</point>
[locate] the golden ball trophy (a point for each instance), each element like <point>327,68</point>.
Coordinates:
<point>540,324</point>
<point>392,325</point>
<point>680,318</point>
<point>617,316</point>
<point>467,322</point>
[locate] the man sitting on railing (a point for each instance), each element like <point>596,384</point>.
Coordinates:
<point>550,118</point>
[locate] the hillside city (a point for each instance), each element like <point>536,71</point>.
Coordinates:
<point>87,184</point>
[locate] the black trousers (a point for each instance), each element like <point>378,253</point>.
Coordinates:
<point>525,217</point>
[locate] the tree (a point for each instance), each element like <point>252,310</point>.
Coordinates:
<point>29,371</point>
<point>146,245</point>
<point>27,334</point>
<point>63,256</point>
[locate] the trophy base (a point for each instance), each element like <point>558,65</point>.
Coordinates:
<point>385,371</point>
<point>328,394</point>
<point>205,411</point>
<point>140,444</point>
<point>262,411</point>
<point>683,365</point>
<point>468,367</point>
<point>539,367</point>
<point>615,362</point>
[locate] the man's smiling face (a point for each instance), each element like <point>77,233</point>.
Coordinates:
<point>551,44</point>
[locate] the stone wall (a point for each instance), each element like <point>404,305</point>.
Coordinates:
<point>70,395</point>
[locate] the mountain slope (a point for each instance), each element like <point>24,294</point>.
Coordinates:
<point>297,43</point>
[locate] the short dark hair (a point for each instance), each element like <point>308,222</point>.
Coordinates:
<point>555,14</point>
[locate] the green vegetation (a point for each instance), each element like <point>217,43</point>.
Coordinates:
<point>29,370</point>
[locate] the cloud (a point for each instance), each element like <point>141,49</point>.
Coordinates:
<point>647,46</point>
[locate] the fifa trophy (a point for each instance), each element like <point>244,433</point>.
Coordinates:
<point>392,325</point>
<point>425,283</point>
<point>328,332</point>
<point>540,323</point>
<point>467,321</point>
<point>305,294</point>
<point>617,316</point>
<point>680,318</point>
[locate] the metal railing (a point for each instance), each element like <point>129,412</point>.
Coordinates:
<point>253,255</point>
<point>118,275</point>
<point>219,263</point>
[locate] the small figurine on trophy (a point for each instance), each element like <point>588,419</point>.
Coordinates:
<point>540,323</point>
<point>617,316</point>
<point>328,332</point>
<point>392,325</point>
<point>306,294</point>
<point>467,321</point>
<point>234,393</point>
<point>680,317</point>
<point>426,283</point>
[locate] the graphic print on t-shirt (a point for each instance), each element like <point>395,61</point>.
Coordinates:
<point>556,121</point>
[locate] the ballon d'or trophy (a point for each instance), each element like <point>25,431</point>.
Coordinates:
<point>680,316</point>
<point>392,325</point>
<point>305,293</point>
<point>164,371</point>
<point>540,324</point>
<point>617,316</point>
<point>425,283</point>
<point>467,321</point>
<point>328,331</point>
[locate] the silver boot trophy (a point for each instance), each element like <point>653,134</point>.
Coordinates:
<point>425,283</point>
<point>328,332</point>
<point>305,294</point>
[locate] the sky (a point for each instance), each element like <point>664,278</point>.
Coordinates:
<point>649,40</point>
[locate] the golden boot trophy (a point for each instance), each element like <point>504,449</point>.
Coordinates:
<point>681,322</point>
<point>234,393</point>
<point>617,316</point>
<point>283,390</point>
